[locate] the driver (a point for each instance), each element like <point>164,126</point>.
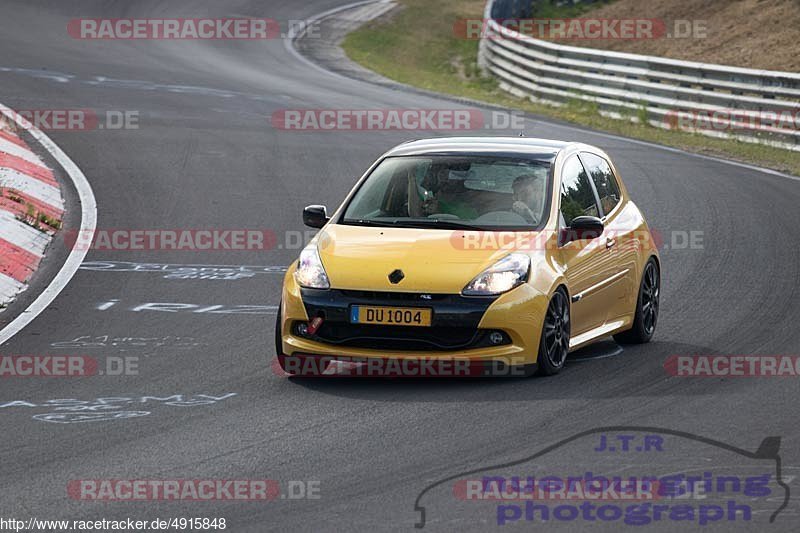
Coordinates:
<point>528,197</point>
<point>447,197</point>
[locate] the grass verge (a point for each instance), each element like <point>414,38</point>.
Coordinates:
<point>416,45</point>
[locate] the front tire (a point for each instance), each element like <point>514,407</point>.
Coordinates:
<point>554,342</point>
<point>646,318</point>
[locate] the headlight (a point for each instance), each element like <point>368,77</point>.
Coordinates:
<point>310,273</point>
<point>509,272</point>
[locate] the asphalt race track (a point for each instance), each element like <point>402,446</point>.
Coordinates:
<point>206,156</point>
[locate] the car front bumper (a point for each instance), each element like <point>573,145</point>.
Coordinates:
<point>461,326</point>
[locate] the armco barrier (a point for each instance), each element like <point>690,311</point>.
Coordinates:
<point>751,105</point>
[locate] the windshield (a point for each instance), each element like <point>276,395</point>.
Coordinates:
<point>475,192</point>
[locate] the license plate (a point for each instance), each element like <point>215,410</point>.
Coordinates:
<point>390,316</point>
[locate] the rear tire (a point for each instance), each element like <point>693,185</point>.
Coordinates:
<point>554,341</point>
<point>647,304</point>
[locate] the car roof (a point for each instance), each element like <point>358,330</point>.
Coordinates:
<point>538,149</point>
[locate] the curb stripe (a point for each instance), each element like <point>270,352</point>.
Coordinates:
<point>22,246</point>
<point>11,137</point>
<point>88,224</point>
<point>22,235</point>
<point>16,262</point>
<point>17,208</point>
<point>37,171</point>
<point>14,179</point>
<point>9,288</point>
<point>19,151</point>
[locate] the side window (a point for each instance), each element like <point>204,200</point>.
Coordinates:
<point>604,181</point>
<point>577,195</point>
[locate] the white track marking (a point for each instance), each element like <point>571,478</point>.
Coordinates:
<point>78,252</point>
<point>294,34</point>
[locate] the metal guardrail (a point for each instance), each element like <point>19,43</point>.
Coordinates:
<point>711,99</point>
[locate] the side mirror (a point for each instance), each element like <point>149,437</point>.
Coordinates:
<point>315,216</point>
<point>583,228</point>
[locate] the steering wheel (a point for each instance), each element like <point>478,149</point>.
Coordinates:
<point>501,218</point>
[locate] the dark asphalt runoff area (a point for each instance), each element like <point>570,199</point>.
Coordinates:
<point>204,403</point>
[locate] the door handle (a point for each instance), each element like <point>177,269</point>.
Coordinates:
<point>610,242</point>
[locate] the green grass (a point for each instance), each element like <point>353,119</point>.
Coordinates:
<point>417,46</point>
<point>549,9</point>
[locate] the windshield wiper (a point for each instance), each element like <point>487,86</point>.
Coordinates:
<point>413,223</point>
<point>435,223</point>
<point>367,222</point>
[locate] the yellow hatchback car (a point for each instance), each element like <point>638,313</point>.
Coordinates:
<point>500,253</point>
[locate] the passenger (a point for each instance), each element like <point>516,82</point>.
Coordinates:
<point>528,197</point>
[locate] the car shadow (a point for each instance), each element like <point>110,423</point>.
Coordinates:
<point>602,370</point>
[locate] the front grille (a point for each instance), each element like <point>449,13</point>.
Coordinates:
<point>374,296</point>
<point>454,325</point>
<point>400,337</point>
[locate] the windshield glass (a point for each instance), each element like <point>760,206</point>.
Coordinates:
<point>479,192</point>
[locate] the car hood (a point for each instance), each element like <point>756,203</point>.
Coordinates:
<point>432,260</point>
